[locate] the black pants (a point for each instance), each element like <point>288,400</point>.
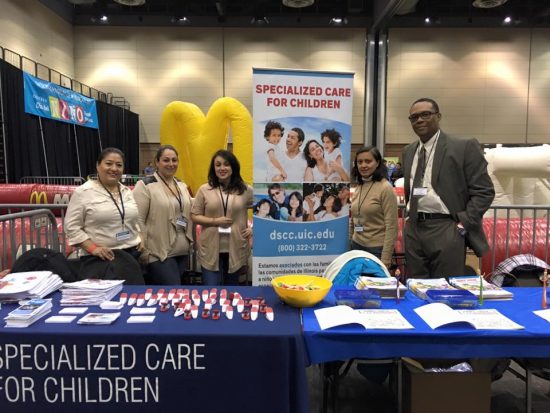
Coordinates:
<point>434,248</point>
<point>376,251</point>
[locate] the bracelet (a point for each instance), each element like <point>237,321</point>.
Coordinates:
<point>91,249</point>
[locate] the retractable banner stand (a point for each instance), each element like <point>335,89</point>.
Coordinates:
<point>48,100</point>
<point>302,145</point>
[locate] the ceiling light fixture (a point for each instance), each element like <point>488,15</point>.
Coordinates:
<point>130,3</point>
<point>259,20</point>
<point>427,20</point>
<point>338,21</point>
<point>488,4</point>
<point>100,18</point>
<point>507,20</point>
<point>179,19</point>
<point>297,4</point>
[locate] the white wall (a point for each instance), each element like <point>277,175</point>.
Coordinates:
<point>32,30</point>
<point>151,67</point>
<point>486,81</point>
<point>539,88</point>
<point>493,84</point>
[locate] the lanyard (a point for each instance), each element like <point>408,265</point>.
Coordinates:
<point>178,195</point>
<point>121,211</point>
<point>226,203</point>
<point>365,197</point>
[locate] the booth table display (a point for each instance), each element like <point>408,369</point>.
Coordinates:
<point>452,342</point>
<point>353,341</point>
<point>172,364</point>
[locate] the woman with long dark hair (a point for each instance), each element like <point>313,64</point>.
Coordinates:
<point>220,208</point>
<point>374,206</point>
<point>164,205</point>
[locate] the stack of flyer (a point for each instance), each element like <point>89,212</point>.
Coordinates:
<point>29,312</point>
<point>99,318</point>
<point>386,287</point>
<point>24,285</point>
<point>474,284</point>
<point>420,286</point>
<point>90,291</point>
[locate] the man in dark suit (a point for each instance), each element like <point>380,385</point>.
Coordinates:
<point>447,191</point>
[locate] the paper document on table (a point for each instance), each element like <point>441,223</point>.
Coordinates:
<point>99,318</point>
<point>383,319</point>
<point>143,310</point>
<point>61,319</point>
<point>437,315</point>
<point>489,319</point>
<point>543,314</point>
<point>370,319</point>
<point>141,319</point>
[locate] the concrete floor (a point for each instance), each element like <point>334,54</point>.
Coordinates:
<point>356,394</point>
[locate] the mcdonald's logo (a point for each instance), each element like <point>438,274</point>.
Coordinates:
<point>38,198</point>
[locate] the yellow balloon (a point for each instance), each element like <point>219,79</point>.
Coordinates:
<point>197,137</point>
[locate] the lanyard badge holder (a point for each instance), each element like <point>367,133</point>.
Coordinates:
<point>358,222</point>
<point>224,230</point>
<point>181,221</point>
<point>124,234</point>
<point>419,189</point>
<point>357,225</point>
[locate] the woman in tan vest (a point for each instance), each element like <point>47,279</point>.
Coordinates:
<point>220,208</point>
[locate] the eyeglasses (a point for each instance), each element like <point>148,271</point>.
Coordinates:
<point>422,115</point>
<point>275,193</point>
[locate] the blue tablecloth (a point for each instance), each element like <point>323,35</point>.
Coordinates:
<point>170,365</point>
<point>353,341</point>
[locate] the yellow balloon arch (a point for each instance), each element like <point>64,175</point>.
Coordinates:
<point>197,137</point>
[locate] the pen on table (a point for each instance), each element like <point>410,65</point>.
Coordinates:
<point>480,287</point>
<point>544,279</point>
<point>397,293</point>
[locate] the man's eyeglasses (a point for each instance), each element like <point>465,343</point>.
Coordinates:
<point>422,115</point>
<point>275,193</point>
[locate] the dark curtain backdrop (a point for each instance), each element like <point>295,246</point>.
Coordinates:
<point>65,144</point>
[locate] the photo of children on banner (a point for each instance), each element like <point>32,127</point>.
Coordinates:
<point>332,139</point>
<point>314,196</point>
<point>323,202</point>
<point>318,168</point>
<point>277,195</point>
<point>344,194</point>
<point>295,206</point>
<point>264,208</point>
<point>273,133</point>
<point>283,202</point>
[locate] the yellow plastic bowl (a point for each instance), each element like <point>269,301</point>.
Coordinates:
<point>301,298</point>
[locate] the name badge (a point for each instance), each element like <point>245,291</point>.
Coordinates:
<point>123,235</point>
<point>181,222</point>
<point>358,228</point>
<point>223,230</point>
<point>420,191</point>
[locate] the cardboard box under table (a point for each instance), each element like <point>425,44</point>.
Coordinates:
<point>449,392</point>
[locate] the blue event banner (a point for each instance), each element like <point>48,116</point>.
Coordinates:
<point>52,101</point>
